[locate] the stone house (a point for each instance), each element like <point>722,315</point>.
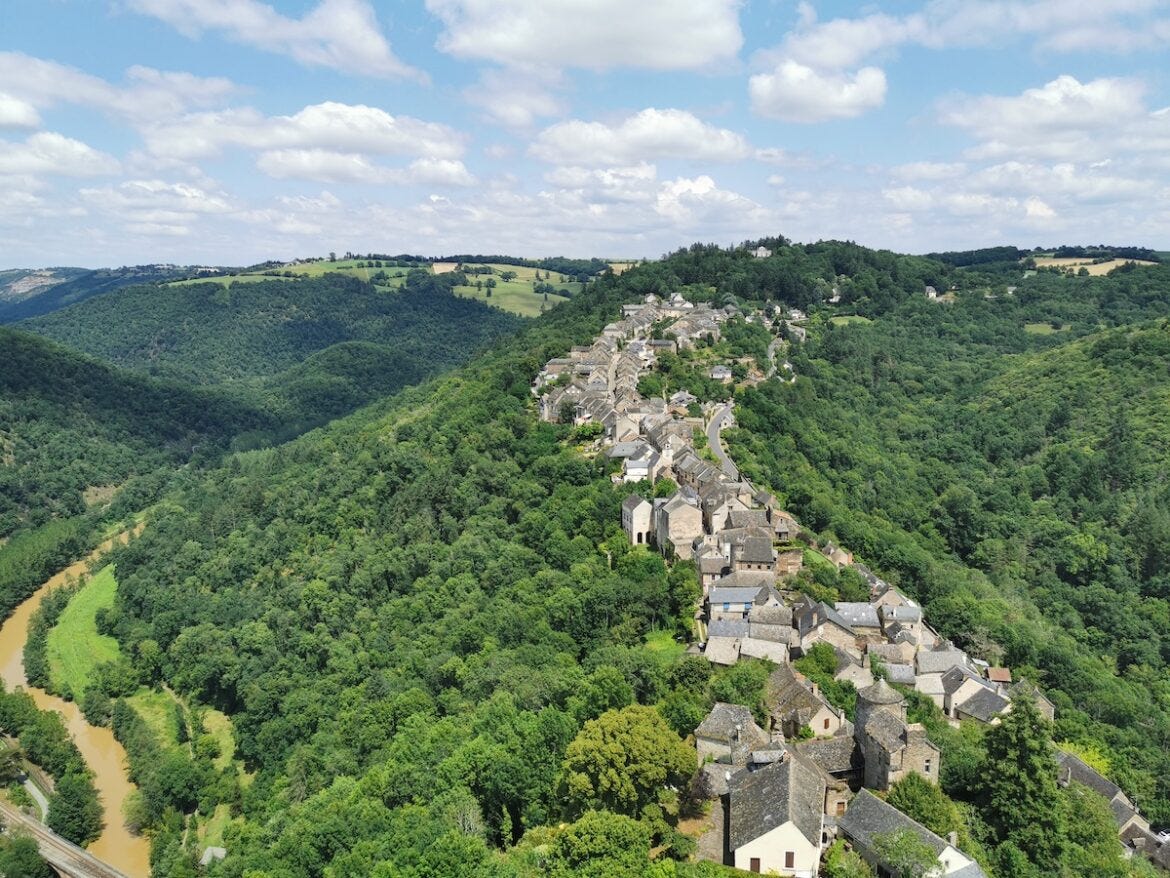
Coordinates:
<point>891,749</point>
<point>794,703</point>
<point>736,595</point>
<point>862,618</point>
<point>837,555</point>
<point>817,622</point>
<point>775,818</point>
<point>728,734</point>
<point>868,817</point>
<point>789,563</point>
<point>637,520</point>
<point>676,524</point>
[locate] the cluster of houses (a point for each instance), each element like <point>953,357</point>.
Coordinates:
<point>785,792</point>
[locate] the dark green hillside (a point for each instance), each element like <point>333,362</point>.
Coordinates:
<point>208,334</point>
<point>1017,484</point>
<point>412,613</point>
<point>83,284</point>
<point>68,423</point>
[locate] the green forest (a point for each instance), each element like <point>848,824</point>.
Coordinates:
<point>440,654</point>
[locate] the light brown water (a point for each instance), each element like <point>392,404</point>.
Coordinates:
<point>103,754</point>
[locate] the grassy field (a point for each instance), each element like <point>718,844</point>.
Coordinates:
<point>226,280</point>
<point>74,645</point>
<point>516,295</point>
<point>352,267</point>
<point>846,319</point>
<point>813,559</point>
<point>1077,263</point>
<point>664,644</point>
<point>219,727</point>
<point>1043,328</point>
<point>157,710</point>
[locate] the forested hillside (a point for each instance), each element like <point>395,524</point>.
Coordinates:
<point>71,425</point>
<point>441,655</point>
<point>209,334</point>
<point>78,285</point>
<point>1014,481</point>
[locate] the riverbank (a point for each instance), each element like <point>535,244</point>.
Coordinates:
<point>117,846</point>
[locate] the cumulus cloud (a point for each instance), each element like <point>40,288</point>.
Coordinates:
<point>344,128</point>
<point>515,100</point>
<point>338,34</point>
<point>600,35</point>
<point>1063,119</point>
<point>635,183</point>
<point>341,167</point>
<point>796,93</point>
<point>47,152</point>
<point>650,134</point>
<point>147,93</point>
<point>15,113</point>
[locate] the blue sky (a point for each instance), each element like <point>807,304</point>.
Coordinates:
<point>231,131</point>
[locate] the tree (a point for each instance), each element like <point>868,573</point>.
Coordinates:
<point>74,810</point>
<point>623,760</point>
<point>20,858</point>
<point>839,862</point>
<point>904,853</point>
<point>921,800</point>
<point>506,276</point>
<point>601,845</point>
<point>1021,801</point>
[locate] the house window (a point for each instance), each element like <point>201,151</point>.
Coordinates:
<point>755,865</point>
<point>727,605</point>
<point>789,859</point>
<point>840,809</point>
<point>928,766</point>
<point>827,725</point>
<point>747,606</point>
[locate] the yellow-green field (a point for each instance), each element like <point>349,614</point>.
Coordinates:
<point>74,645</point>
<point>1043,328</point>
<point>663,643</point>
<point>846,319</point>
<point>515,295</point>
<point>219,727</point>
<point>352,267</point>
<point>226,280</point>
<point>157,710</point>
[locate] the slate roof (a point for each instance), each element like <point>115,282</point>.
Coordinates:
<point>886,729</point>
<point>985,705</point>
<point>722,720</point>
<point>880,692</point>
<point>772,650</point>
<point>838,755</point>
<point>631,503</point>
<point>747,518</point>
<point>788,791</point>
<point>781,615</point>
<point>813,615</point>
<point>788,695</point>
<point>901,614</point>
<point>858,614</point>
<point>736,595</point>
<point>957,676</point>
<point>746,579</point>
<point>716,564</point>
<point>868,816</point>
<point>939,661</point>
<point>727,628</point>
<point>903,674</point>
<point>1072,768</point>
<point>722,650</point>
<point>766,631</point>
<point>890,653</point>
<point>756,550</point>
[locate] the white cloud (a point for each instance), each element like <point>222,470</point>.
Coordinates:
<point>15,113</point>
<point>598,35</point>
<point>650,134</point>
<point>338,34</point>
<point>797,93</point>
<point>635,183</point>
<point>515,100</point>
<point>929,170</point>
<point>341,167</point>
<point>332,126</point>
<point>148,93</point>
<point>908,198</point>
<point>50,153</point>
<point>1064,119</point>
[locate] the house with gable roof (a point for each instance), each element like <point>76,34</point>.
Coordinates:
<point>775,818</point>
<point>728,734</point>
<point>637,520</point>
<point>794,703</point>
<point>868,817</point>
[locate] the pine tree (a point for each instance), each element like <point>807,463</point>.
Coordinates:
<point>1020,797</point>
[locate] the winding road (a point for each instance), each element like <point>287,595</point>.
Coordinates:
<point>715,441</point>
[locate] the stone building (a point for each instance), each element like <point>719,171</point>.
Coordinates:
<point>890,748</point>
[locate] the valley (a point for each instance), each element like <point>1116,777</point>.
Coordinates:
<point>392,595</point>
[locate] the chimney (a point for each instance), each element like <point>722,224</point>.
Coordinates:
<point>953,839</point>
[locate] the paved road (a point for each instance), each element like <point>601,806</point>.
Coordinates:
<point>715,441</point>
<point>64,856</point>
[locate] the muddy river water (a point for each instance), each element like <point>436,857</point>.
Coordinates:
<point>103,754</point>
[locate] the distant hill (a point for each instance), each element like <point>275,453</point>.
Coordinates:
<point>71,428</point>
<point>19,284</point>
<point>68,286</point>
<point>209,334</point>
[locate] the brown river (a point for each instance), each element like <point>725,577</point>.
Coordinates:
<point>124,851</point>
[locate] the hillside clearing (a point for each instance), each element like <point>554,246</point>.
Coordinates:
<point>75,647</point>
<point>1093,268</point>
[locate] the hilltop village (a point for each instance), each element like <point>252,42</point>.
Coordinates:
<point>782,792</point>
